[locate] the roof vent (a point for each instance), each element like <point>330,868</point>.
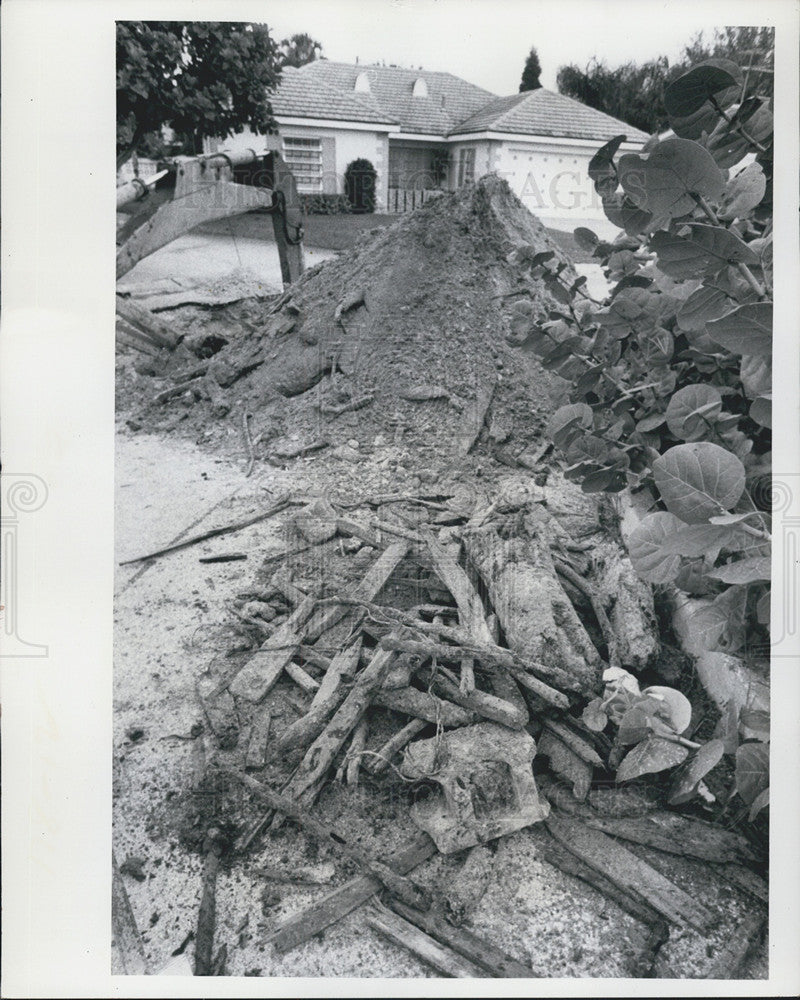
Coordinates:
<point>420,88</point>
<point>362,84</point>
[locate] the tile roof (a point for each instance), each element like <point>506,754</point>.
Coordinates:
<point>301,95</point>
<point>450,99</point>
<point>541,112</point>
<point>452,107</point>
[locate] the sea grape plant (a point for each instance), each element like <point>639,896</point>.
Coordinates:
<point>670,377</point>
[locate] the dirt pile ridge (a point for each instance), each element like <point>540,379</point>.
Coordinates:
<point>412,323</point>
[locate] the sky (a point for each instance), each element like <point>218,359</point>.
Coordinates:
<point>487,41</point>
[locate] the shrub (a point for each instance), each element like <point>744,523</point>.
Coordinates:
<point>325,204</point>
<point>361,184</point>
<point>670,377</point>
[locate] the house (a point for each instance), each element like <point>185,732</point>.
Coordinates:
<point>429,131</point>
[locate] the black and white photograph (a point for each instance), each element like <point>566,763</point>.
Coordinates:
<point>438,549</point>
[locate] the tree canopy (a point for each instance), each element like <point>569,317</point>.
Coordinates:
<point>635,92</point>
<point>298,50</point>
<point>531,72</point>
<point>201,78</point>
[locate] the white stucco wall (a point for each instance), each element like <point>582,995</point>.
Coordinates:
<point>348,145</point>
<point>553,182</point>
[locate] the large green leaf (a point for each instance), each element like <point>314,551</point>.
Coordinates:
<point>692,410</point>
<point>625,214</point>
<point>646,547</point>
<point>650,756</point>
<point>743,571</point>
<point>699,480</point>
<point>721,625</point>
<point>756,375</point>
<point>690,92</point>
<point>568,419</point>
<point>665,182</point>
<point>706,118</point>
<point>752,770</point>
<point>728,145</point>
<point>601,167</point>
<point>746,330</point>
<point>761,410</point>
<point>703,250</point>
<point>703,305</point>
<point>743,192</point>
<point>689,777</point>
<point>676,710</point>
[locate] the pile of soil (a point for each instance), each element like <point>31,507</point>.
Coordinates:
<point>413,319</point>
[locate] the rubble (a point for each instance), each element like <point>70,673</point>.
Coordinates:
<point>443,604</point>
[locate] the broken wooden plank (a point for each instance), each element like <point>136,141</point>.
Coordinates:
<point>256,755</point>
<point>331,694</point>
<point>737,947</point>
<point>263,669</point>
<point>336,904</point>
<point>423,705</point>
<point>366,590</point>
<point>676,834</point>
<point>576,743</point>
<point>488,706</point>
<point>207,915</point>
<point>353,760</point>
<point>493,960</point>
<point>559,857</point>
<point>127,938</point>
<point>302,677</point>
<point>306,782</point>
<point>404,888</point>
<point>566,763</point>
<point>505,687</point>
<point>146,323</point>
<point>471,611</point>
<point>381,760</point>
<point>630,872</point>
<point>643,965</point>
<point>422,945</point>
<point>220,712</point>
<point>276,508</point>
<point>744,879</point>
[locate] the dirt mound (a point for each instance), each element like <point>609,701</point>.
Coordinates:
<point>403,339</point>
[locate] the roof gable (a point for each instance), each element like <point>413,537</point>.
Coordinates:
<point>300,95</point>
<point>542,112</point>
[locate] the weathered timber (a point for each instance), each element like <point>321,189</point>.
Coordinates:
<point>537,617</point>
<point>489,706</point>
<point>643,965</point>
<point>306,782</point>
<point>301,677</point>
<point>492,959</point>
<point>576,743</point>
<point>737,947</point>
<point>744,879</point>
<point>256,756</point>
<point>380,761</point>
<point>428,950</point>
<point>337,904</point>
<point>423,705</point>
<point>353,759</point>
<point>364,591</point>
<point>276,508</point>
<point>146,323</point>
<point>220,712</point>
<point>501,659</point>
<point>327,699</point>
<point>559,857</point>
<point>630,873</point>
<point>675,834</point>
<point>402,887</point>
<point>473,419</point>
<point>263,669</point>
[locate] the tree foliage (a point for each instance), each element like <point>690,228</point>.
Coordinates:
<point>205,78</point>
<point>634,93</point>
<point>299,50</point>
<point>531,72</point>
<point>670,377</point>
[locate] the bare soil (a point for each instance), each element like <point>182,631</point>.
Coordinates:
<point>416,318</point>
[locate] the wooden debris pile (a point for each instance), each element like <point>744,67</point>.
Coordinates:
<point>479,677</point>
